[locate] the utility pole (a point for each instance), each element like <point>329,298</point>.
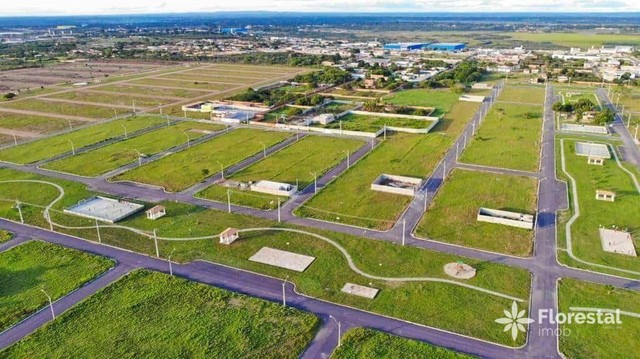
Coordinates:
<point>155,239</point>
<point>315,182</point>
<point>126,135</point>
<point>98,231</point>
<point>278,210</point>
<point>339,330</point>
<point>284,295</point>
<point>169,260</point>
<point>404,227</point>
<point>15,140</point>
<point>221,169</point>
<point>348,159</point>
<point>264,150</point>
<point>73,148</point>
<point>19,211</point>
<point>229,201</point>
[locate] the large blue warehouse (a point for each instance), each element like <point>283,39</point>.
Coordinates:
<point>406,46</point>
<point>446,46</point>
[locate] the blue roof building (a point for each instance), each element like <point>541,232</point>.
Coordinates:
<point>406,46</point>
<point>446,46</point>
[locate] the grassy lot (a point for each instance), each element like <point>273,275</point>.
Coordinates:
<point>523,94</point>
<point>35,265</point>
<point>337,107</point>
<point>349,199</point>
<point>127,89</point>
<point>5,236</point>
<point>115,99</point>
<point>451,217</point>
<point>578,39</point>
<point>372,123</point>
<point>599,340</point>
<point>195,84</point>
<point>369,343</point>
<point>66,109</point>
<point>36,124</point>
<point>446,306</point>
<point>292,165</point>
<point>441,100</point>
<point>508,137</point>
<point>229,81</point>
<point>53,146</point>
<point>574,96</point>
<point>148,314</point>
<point>105,159</point>
<point>630,98</point>
<point>185,168</point>
<point>593,213</point>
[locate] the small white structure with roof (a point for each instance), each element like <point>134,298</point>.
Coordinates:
<point>407,186</point>
<point>608,196</point>
<point>513,219</point>
<point>156,212</point>
<point>229,235</point>
<point>274,188</point>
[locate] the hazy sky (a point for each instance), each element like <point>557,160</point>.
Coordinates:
<point>70,7</point>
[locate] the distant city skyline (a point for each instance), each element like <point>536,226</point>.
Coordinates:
<point>95,7</point>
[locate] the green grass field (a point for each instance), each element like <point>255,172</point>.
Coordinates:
<point>293,165</point>
<point>509,137</point>
<point>36,265</point>
<point>105,159</point>
<point>190,84</point>
<point>184,169</point>
<point>599,340</point>
<point>451,217</point>
<point>37,124</point>
<point>211,77</point>
<point>123,88</point>
<point>59,108</point>
<point>52,146</point>
<point>148,314</point>
<point>523,94</point>
<point>5,236</point>
<point>442,100</point>
<point>593,213</point>
<point>372,123</point>
<point>349,199</point>
<point>115,99</point>
<point>578,39</point>
<point>446,306</point>
<point>368,343</point>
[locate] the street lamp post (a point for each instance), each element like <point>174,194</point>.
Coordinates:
<point>19,211</point>
<point>348,158</point>
<point>339,329</point>
<point>404,228</point>
<point>73,148</point>
<point>139,157</point>
<point>264,149</point>
<point>188,138</point>
<point>155,240</point>
<point>315,181</point>
<point>284,295</point>
<point>15,139</point>
<point>169,260</point>
<point>229,201</point>
<point>278,210</point>
<point>98,231</point>
<point>53,314</point>
<point>221,169</point>
<point>70,124</point>
<point>126,134</point>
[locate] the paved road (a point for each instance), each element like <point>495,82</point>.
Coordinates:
<point>631,148</point>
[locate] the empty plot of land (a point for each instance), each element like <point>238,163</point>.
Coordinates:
<point>53,146</point>
<point>141,90</point>
<point>108,158</point>
<point>107,100</point>
<point>186,168</point>
<point>213,78</point>
<point>451,217</point>
<point>373,123</point>
<point>187,84</point>
<point>295,165</point>
<point>441,100</point>
<point>36,265</point>
<point>508,137</point>
<point>36,124</point>
<point>59,108</point>
<point>524,94</point>
<point>153,315</point>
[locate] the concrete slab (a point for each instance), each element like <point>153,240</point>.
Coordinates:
<point>104,209</point>
<point>617,242</point>
<point>592,150</point>
<point>360,290</point>
<point>283,259</point>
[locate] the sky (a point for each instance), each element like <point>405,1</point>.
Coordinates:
<point>92,7</point>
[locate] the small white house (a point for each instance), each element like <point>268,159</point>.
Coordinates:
<point>229,236</point>
<point>274,188</point>
<point>156,212</point>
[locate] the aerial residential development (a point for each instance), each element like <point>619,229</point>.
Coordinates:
<point>234,181</point>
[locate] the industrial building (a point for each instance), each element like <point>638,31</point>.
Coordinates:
<point>432,46</point>
<point>405,46</point>
<point>446,46</point>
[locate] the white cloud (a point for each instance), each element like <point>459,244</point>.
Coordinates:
<point>64,7</point>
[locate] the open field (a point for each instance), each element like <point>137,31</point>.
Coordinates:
<point>52,146</point>
<point>60,108</point>
<point>446,306</point>
<point>442,100</point>
<point>123,88</point>
<point>349,199</point>
<point>115,99</point>
<point>593,213</point>
<point>578,39</point>
<point>368,343</point>
<point>599,340</point>
<point>185,168</point>
<point>104,159</point>
<point>508,137</point>
<point>232,81</point>
<point>36,124</point>
<point>451,217</point>
<point>522,94</point>
<point>188,84</point>
<point>372,123</point>
<point>294,165</point>
<point>36,265</point>
<point>137,316</point>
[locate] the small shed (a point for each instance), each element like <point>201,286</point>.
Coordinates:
<point>594,160</point>
<point>605,196</point>
<point>156,212</point>
<point>229,235</point>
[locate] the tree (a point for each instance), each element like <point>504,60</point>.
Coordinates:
<point>9,95</point>
<point>205,172</point>
<point>605,116</point>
